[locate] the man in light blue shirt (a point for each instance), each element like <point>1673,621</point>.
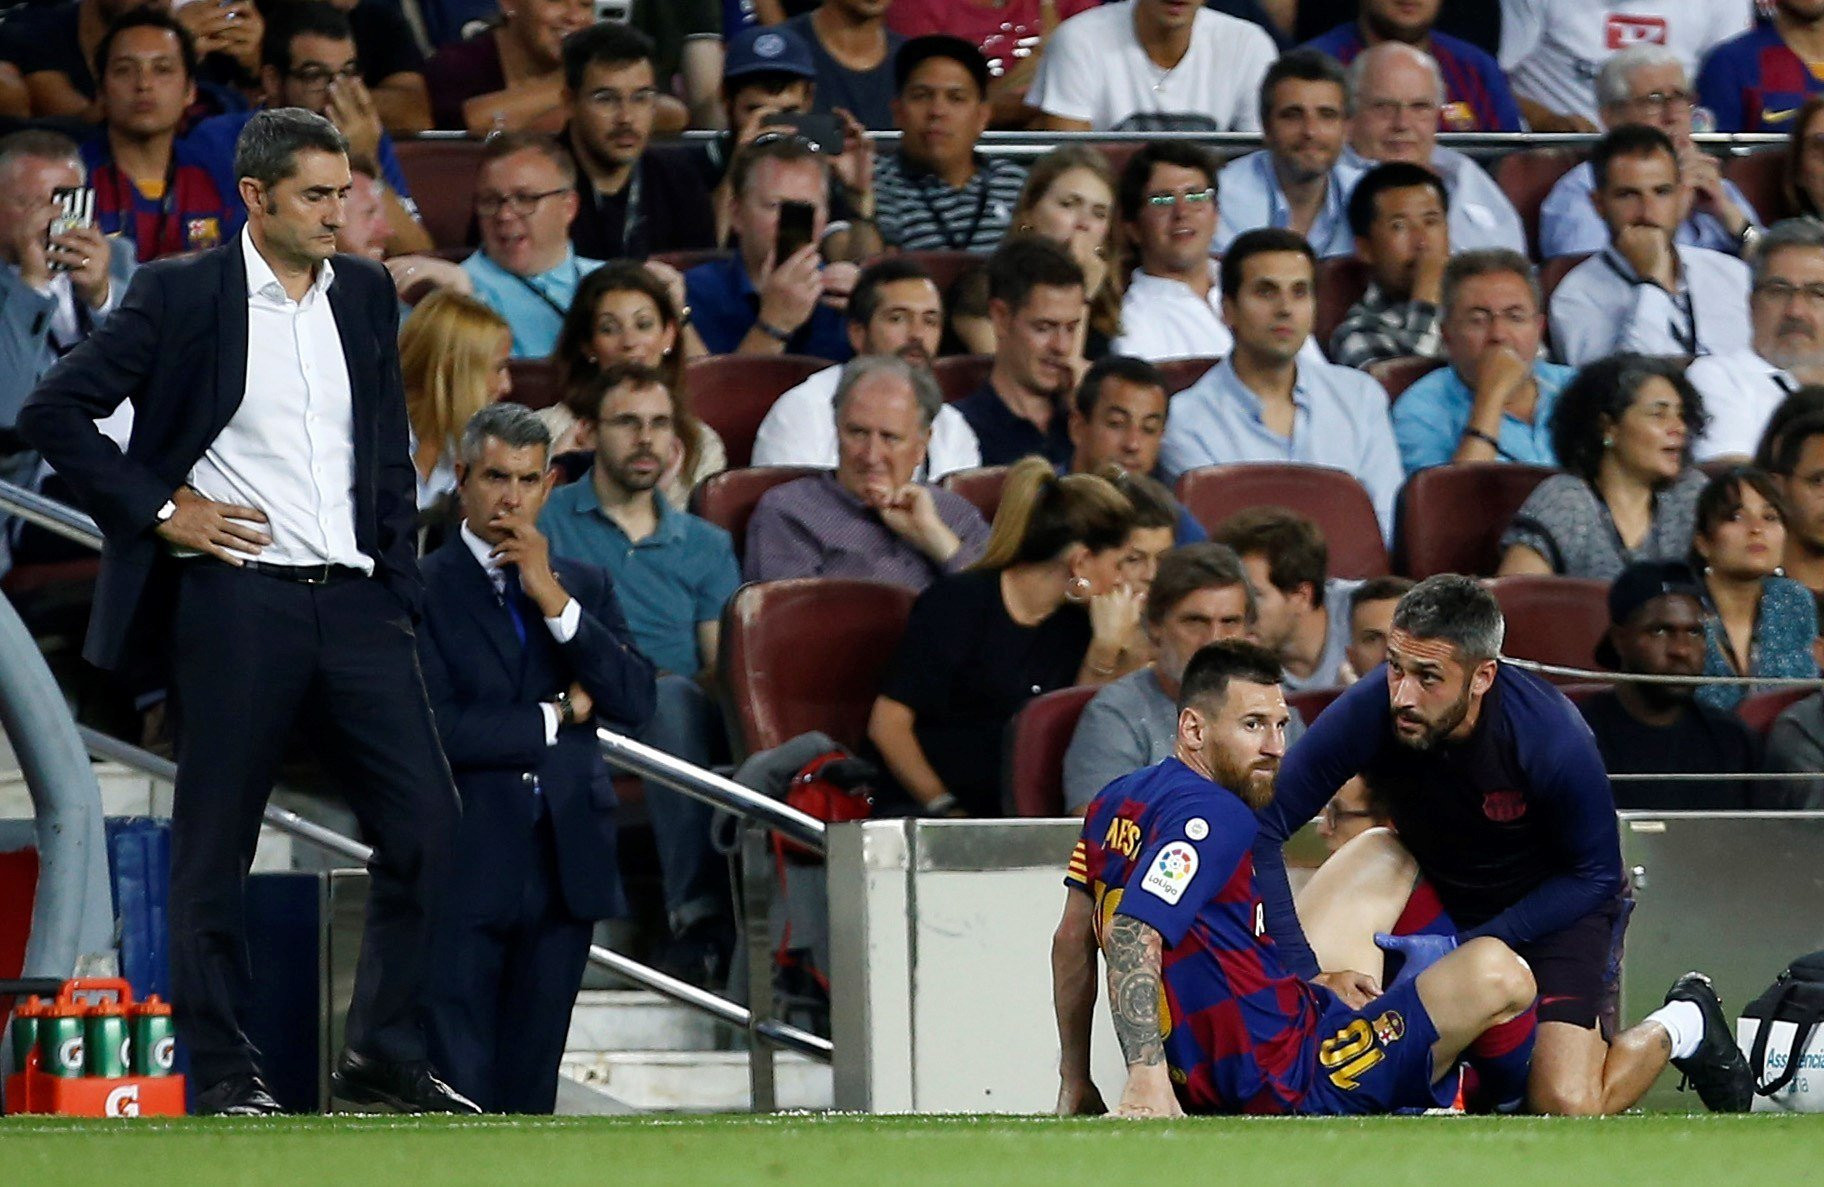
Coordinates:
<point>526,270</point>
<point>1398,94</point>
<point>1494,401</point>
<point>673,574</point>
<point>1263,403</point>
<point>1647,85</point>
<point>1296,181</point>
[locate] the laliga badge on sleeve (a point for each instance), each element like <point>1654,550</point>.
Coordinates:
<point>1172,871</point>
<point>1196,828</point>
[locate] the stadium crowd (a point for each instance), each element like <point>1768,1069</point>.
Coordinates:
<point>1034,392</point>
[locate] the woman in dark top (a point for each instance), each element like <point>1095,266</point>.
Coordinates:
<point>1044,609</point>
<point>1623,430</point>
<point>1758,623</point>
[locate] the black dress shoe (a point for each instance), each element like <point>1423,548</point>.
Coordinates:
<point>404,1087</point>
<point>242,1095</point>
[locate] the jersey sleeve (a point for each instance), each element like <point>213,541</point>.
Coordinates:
<point>1336,746</point>
<point>1197,843</point>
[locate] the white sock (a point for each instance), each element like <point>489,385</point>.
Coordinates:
<point>1684,1022</point>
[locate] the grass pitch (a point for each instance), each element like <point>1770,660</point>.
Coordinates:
<point>879,1151</point>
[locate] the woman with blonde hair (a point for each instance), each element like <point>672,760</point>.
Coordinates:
<point>1069,198</point>
<point>453,353</point>
<point>1045,608</point>
<point>627,312</point>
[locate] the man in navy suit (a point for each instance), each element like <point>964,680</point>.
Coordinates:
<point>522,654</point>
<point>259,542</point>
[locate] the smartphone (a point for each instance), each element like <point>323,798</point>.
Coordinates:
<point>797,223</point>
<point>824,132</point>
<point>75,208</point>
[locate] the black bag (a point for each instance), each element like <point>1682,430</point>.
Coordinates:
<point>1796,997</point>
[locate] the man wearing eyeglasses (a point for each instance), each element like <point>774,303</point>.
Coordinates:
<point>1495,400</point>
<point>1167,197</point>
<point>308,60</point>
<point>633,199</point>
<point>1648,85</point>
<point>526,269</point>
<point>1398,94</point>
<point>1741,388</point>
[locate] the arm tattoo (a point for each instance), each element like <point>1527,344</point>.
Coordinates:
<point>1133,951</point>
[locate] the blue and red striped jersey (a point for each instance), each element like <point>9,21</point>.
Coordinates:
<point>1755,83</point>
<point>1477,97</point>
<point>189,215</point>
<point>1172,849</point>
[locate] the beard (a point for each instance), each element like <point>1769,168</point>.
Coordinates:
<point>622,472</point>
<point>1437,730</point>
<point>1252,781</point>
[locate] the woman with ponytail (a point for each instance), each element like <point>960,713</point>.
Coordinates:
<point>1045,608</point>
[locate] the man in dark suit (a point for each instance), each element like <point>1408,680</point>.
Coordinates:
<point>259,541</point>
<point>516,699</point>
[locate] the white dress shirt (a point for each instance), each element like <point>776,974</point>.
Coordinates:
<point>1740,390</point>
<point>800,430</point>
<point>1163,318</point>
<point>1603,306</point>
<point>563,628</point>
<point>289,449</point>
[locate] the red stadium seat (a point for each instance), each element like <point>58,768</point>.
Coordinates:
<point>728,499</point>
<point>1758,712</point>
<point>1341,281</point>
<point>441,173</point>
<point>1182,373</point>
<point>1312,701</point>
<point>1451,517</point>
<point>945,266</point>
<point>808,654</point>
<point>731,393</point>
<point>1527,177</point>
<point>960,374</point>
<point>1037,740</point>
<point>1396,375</point>
<point>534,382</point>
<point>1118,153</point>
<point>1332,499</point>
<point>980,486</point>
<point>1553,620</point>
<point>1761,176</point>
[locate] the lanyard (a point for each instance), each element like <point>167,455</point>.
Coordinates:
<point>923,189</point>
<point>544,296</point>
<point>1687,337</point>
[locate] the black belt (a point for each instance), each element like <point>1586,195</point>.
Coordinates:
<point>305,574</point>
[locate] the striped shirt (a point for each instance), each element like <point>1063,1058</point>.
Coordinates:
<point>916,211</point>
<point>1378,328</point>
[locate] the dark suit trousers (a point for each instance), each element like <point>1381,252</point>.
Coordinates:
<point>500,1004</point>
<point>253,656</point>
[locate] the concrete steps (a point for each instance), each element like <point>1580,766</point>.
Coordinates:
<point>656,1056</point>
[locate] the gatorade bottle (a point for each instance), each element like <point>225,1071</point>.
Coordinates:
<point>25,1030</point>
<point>154,1042</point>
<point>105,1046</point>
<point>60,1037</point>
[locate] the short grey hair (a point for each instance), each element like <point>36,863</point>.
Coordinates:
<point>1366,60</point>
<point>39,144</point>
<point>925,391</point>
<point>1806,233</point>
<point>1457,609</point>
<point>1487,261</point>
<point>1613,85</point>
<point>268,148</point>
<point>513,425</point>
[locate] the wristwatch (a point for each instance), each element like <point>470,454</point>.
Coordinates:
<point>167,511</point>
<point>566,708</point>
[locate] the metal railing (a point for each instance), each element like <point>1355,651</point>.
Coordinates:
<point>633,756</point>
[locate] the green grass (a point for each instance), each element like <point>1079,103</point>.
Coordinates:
<point>879,1151</point>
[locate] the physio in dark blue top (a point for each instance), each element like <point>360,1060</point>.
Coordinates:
<point>1492,780</point>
